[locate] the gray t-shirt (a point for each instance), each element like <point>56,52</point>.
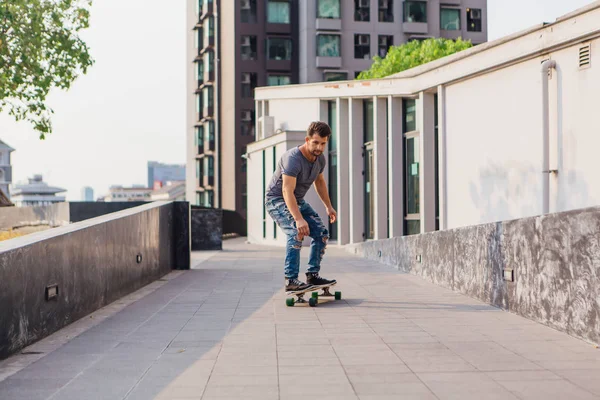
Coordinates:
<point>293,163</point>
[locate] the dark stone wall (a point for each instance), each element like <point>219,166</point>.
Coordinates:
<point>93,264</point>
<point>555,259</point>
<point>206,228</point>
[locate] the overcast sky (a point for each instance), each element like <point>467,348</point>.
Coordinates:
<point>130,107</point>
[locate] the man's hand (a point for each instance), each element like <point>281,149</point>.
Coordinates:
<point>302,227</point>
<point>332,215</point>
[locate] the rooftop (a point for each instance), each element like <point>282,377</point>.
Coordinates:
<point>222,330</point>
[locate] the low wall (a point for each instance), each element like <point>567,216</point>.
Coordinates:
<point>554,259</point>
<point>82,210</point>
<point>91,263</point>
<point>16,217</point>
<point>206,228</point>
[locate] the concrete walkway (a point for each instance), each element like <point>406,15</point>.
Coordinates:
<point>223,331</point>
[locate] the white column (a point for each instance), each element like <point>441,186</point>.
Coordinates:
<point>426,123</point>
<point>442,181</point>
<point>343,160</point>
<point>324,116</point>
<point>356,168</point>
<point>396,166</point>
<point>380,167</point>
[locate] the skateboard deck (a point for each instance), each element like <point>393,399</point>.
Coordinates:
<point>314,300</point>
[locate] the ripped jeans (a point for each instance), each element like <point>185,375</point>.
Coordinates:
<point>278,210</point>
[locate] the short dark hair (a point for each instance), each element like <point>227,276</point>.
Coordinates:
<point>320,128</point>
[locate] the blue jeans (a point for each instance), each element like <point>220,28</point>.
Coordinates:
<point>281,215</point>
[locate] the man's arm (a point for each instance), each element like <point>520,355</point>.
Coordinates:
<point>289,184</point>
<point>322,191</point>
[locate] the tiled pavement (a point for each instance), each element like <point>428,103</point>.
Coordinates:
<point>223,331</point>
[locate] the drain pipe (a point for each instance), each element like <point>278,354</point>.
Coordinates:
<point>546,66</point>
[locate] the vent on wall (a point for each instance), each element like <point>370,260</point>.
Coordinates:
<point>585,57</point>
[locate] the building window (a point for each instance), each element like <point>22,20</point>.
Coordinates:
<point>328,9</point>
<point>199,106</point>
<point>208,96</point>
<point>198,199</point>
<point>410,116</point>
<point>248,48</point>
<point>211,131</point>
<point>356,74</point>
<point>248,8</point>
<point>385,42</point>
<point>199,39</point>
<point>278,12</point>
<point>333,186</point>
<point>200,72</point>
<point>386,10</point>
<point>210,61</point>
<point>415,11</point>
<point>199,137</point>
<point>362,10</point>
<point>474,19</point>
<point>335,76</point>
<point>248,84</point>
<point>279,49</point>
<point>450,19</point>
<point>247,123</point>
<point>209,30</point>
<point>328,46</point>
<point>412,217</point>
<point>209,198</point>
<point>362,46</point>
<point>278,80</point>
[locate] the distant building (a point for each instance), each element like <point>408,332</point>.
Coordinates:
<point>5,168</point>
<point>36,193</point>
<point>159,174</point>
<point>120,193</point>
<point>174,191</point>
<point>87,194</point>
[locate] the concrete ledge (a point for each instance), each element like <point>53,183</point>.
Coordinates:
<point>555,260</point>
<point>91,263</point>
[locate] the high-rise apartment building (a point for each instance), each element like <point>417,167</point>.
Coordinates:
<point>235,46</point>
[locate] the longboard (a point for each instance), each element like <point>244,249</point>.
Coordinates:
<point>314,300</point>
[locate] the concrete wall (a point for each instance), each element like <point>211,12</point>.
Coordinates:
<point>554,258</point>
<point>93,263</point>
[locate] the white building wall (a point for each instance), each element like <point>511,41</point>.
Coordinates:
<point>494,147</point>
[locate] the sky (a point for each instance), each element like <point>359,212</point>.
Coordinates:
<point>130,107</point>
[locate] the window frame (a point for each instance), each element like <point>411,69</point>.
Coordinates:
<point>404,13</point>
<point>332,34</point>
<point>358,46</point>
<point>451,8</point>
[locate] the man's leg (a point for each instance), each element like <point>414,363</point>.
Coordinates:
<point>278,210</point>
<point>320,236</point>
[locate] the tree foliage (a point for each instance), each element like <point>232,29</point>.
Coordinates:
<point>39,50</point>
<point>412,54</point>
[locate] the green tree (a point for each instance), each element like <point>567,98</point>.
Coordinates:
<point>39,50</point>
<point>412,54</point>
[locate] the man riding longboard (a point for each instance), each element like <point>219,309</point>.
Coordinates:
<point>297,170</point>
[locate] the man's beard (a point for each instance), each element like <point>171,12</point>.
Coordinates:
<point>316,153</point>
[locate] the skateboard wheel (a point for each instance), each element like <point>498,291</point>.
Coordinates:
<point>289,302</point>
<point>315,295</point>
<point>338,295</point>
<point>312,302</point>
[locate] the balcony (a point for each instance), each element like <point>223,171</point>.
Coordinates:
<point>415,27</point>
<point>329,24</point>
<point>279,65</point>
<point>329,62</point>
<point>279,28</point>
